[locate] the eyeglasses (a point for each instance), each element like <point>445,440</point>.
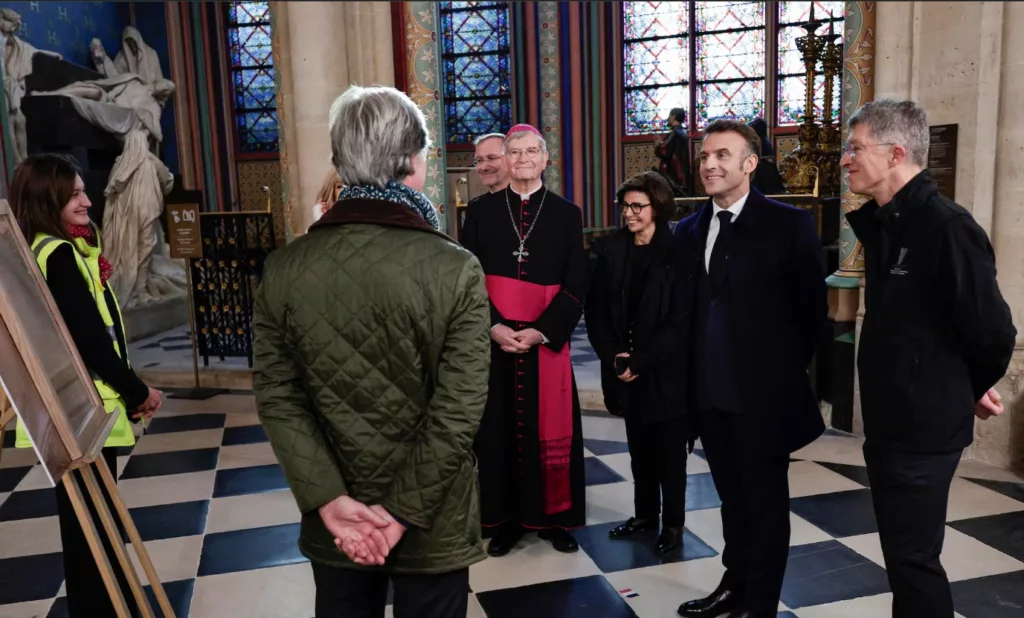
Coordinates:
<point>854,149</point>
<point>529,153</point>
<point>634,208</point>
<point>488,159</point>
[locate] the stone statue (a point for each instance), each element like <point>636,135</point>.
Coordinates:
<point>133,239</point>
<point>17,59</point>
<point>140,59</point>
<point>131,104</point>
<point>104,65</point>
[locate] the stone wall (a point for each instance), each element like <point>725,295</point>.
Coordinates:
<point>963,62</point>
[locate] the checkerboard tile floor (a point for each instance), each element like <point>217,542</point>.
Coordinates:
<point>213,508</point>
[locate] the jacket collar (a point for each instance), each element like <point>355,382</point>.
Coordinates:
<point>622,239</point>
<point>375,212</point>
<point>906,201</point>
<point>747,219</point>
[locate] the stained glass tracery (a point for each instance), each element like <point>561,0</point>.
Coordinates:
<point>730,54</point>
<point>792,80</point>
<point>476,66</point>
<point>252,73</point>
<point>656,57</point>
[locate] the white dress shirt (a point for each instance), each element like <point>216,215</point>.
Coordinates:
<point>735,209</point>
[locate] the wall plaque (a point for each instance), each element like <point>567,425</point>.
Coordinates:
<point>942,158</point>
<point>183,233</point>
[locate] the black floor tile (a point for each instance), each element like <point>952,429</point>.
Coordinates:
<point>174,462</point>
<point>857,474</point>
<point>245,481</point>
<point>168,521</point>
<point>585,597</point>
<point>1010,490</point>
<point>247,434</point>
<point>10,437</point>
<point>598,472</point>
<point>1002,532</point>
<point>30,578</point>
<point>179,593</point>
<point>29,505</point>
<point>245,550</point>
<point>828,572</point>
<point>997,596</point>
<point>10,477</point>
<point>840,514</point>
<point>187,422</point>
<point>701,493</point>
<point>605,447</point>
<point>612,555</point>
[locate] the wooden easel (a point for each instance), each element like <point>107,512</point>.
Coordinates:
<point>44,382</point>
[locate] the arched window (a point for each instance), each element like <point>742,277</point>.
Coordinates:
<point>252,76</point>
<point>711,57</point>
<point>476,67</point>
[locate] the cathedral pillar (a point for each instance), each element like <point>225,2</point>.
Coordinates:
<point>321,48</point>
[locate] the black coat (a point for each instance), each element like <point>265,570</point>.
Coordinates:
<point>937,333</point>
<point>777,308</point>
<point>656,354</point>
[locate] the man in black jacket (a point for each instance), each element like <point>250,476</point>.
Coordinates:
<point>756,289</point>
<point>937,336</point>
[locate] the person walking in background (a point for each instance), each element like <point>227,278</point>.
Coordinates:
<point>635,317</point>
<point>371,356</point>
<point>767,178</point>
<point>49,201</point>
<point>937,336</point>
<point>755,278</point>
<point>673,152</point>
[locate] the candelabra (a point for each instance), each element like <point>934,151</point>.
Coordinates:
<point>800,167</point>
<point>830,137</point>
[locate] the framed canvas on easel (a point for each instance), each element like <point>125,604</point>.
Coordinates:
<point>48,387</point>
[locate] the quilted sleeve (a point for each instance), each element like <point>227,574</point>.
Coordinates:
<point>286,412</point>
<point>442,454</point>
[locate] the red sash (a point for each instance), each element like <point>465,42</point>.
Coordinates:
<point>521,301</point>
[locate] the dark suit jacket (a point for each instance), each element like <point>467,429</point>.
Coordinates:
<point>774,290</point>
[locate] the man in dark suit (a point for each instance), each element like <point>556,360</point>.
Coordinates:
<point>759,305</point>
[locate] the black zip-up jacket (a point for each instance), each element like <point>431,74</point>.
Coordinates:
<point>937,333</point>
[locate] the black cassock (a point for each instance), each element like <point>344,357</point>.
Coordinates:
<point>531,469</point>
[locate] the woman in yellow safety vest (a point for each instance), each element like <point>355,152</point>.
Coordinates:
<point>49,201</point>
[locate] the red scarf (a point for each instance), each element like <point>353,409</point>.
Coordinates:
<point>85,232</point>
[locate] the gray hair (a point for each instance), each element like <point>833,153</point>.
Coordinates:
<point>483,138</point>
<point>375,133</point>
<point>518,134</point>
<point>897,122</point>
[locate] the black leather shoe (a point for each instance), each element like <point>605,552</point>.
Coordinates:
<point>560,539</point>
<point>670,540</point>
<point>722,601</point>
<point>505,539</point>
<point>632,525</point>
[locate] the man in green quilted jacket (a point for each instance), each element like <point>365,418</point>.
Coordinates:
<point>371,360</point>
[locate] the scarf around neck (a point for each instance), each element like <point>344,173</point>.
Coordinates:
<point>86,233</point>
<point>394,191</point>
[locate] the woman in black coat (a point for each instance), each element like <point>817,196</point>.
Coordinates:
<point>635,321</point>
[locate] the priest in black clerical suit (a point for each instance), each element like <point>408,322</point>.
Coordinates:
<point>530,443</point>
<point>756,289</point>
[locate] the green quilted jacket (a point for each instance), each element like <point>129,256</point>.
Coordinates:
<point>371,358</point>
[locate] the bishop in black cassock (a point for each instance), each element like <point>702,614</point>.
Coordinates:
<point>530,443</point>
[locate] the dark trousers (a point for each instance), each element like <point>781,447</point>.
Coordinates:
<point>751,477</point>
<point>657,457</point>
<point>87,595</point>
<point>348,593</point>
<point>910,494</point>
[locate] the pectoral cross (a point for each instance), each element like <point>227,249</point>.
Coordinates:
<point>521,253</point>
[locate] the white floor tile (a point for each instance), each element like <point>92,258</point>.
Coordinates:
<point>154,490</point>
<point>968,500</point>
<point>253,511</point>
<point>246,455</point>
<point>179,441</point>
<point>533,561</point>
<point>32,609</point>
<point>608,503</point>
<point>662,588</point>
<point>174,559</point>
<point>278,592</point>
<point>807,478</point>
<point>29,537</point>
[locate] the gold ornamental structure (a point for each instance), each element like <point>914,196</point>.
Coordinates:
<point>819,149</point>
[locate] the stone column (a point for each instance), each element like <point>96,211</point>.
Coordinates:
<point>322,49</point>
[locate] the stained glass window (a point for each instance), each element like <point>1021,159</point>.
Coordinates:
<point>656,56</point>
<point>792,80</point>
<point>252,76</point>
<point>729,39</point>
<point>476,67</point>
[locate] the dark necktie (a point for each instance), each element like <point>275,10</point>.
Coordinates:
<point>722,245</point>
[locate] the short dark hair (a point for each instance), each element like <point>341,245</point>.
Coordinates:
<point>728,125</point>
<point>656,188</point>
<point>42,186</point>
<point>678,113</point>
